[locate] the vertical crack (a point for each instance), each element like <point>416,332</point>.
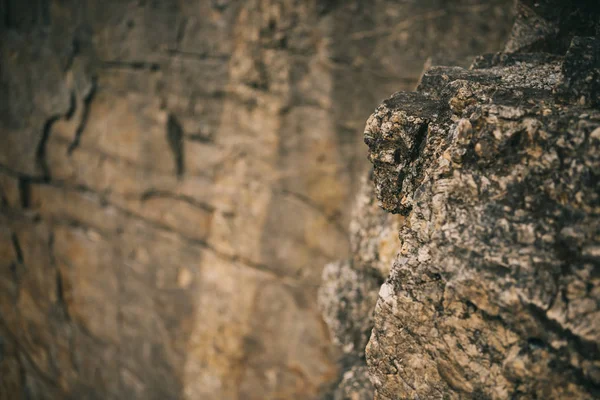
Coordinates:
<point>87,101</point>
<point>24,192</point>
<point>40,154</point>
<point>72,104</point>
<point>420,141</point>
<point>60,284</point>
<point>175,140</point>
<point>17,248</point>
<point>60,295</point>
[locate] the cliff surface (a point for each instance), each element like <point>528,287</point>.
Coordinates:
<point>492,174</point>
<point>174,175</point>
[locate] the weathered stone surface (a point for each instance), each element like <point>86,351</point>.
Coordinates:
<point>175,174</point>
<point>494,293</point>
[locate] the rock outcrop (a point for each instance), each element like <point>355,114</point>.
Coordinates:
<point>492,173</point>
<point>175,174</point>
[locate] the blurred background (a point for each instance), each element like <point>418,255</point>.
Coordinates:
<point>174,175</point>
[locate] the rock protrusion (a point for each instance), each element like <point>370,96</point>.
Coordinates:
<point>495,292</point>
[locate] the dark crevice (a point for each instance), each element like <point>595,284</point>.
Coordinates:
<point>198,56</point>
<point>87,100</point>
<point>511,149</point>
<point>397,156</point>
<point>470,308</point>
<point>175,140</point>
<point>420,141</point>
<point>40,154</point>
<point>535,343</point>
<point>17,248</point>
<point>72,106</point>
<point>60,295</point>
<point>587,349</point>
<point>220,5</point>
<point>133,65</point>
<point>60,288</point>
<point>24,185</point>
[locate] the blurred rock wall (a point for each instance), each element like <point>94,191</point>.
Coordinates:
<point>175,174</point>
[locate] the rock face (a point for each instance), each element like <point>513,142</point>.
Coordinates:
<point>174,175</point>
<point>495,291</point>
<point>348,293</point>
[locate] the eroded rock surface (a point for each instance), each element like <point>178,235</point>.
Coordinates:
<point>175,174</point>
<point>495,292</point>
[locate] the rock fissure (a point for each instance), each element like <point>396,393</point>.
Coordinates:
<point>86,101</point>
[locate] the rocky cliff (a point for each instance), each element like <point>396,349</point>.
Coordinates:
<point>174,175</point>
<point>491,173</point>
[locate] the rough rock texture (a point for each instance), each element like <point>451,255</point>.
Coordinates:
<point>174,175</point>
<point>495,292</point>
<point>348,293</point>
